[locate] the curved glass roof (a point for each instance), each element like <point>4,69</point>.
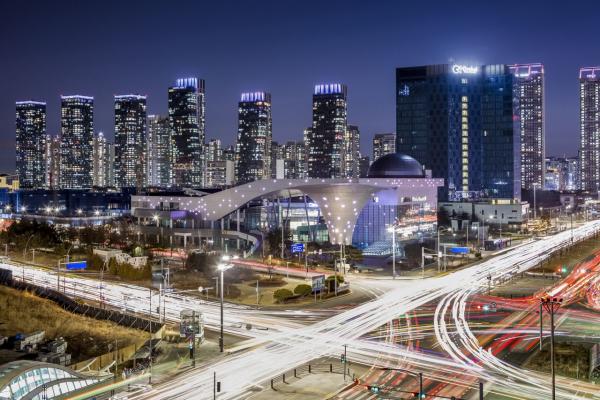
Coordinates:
<point>36,380</point>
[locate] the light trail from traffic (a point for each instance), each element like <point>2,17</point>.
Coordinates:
<point>287,344</point>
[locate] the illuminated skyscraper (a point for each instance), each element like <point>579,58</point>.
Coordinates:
<point>53,162</point>
<point>351,155</point>
<point>383,143</point>
<point>31,144</point>
<point>186,124</point>
<point>326,138</point>
<point>130,141</point>
<point>457,121</point>
<point>253,147</point>
<point>101,161</point>
<point>76,142</point>
<point>528,100</point>
<point>214,151</point>
<point>589,119</point>
<point>159,151</point>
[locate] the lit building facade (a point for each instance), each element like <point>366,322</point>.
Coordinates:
<point>76,142</point>
<point>458,121</point>
<point>351,156</point>
<point>31,143</point>
<point>253,146</point>
<point>159,151</point>
<point>186,125</point>
<point>52,162</point>
<point>130,141</point>
<point>325,138</point>
<point>101,161</point>
<point>589,128</point>
<point>529,110</point>
<point>214,151</point>
<point>220,174</point>
<point>293,156</point>
<point>383,144</point>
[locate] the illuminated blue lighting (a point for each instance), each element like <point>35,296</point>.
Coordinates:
<point>129,97</point>
<point>77,97</point>
<point>187,83</point>
<point>254,96</point>
<point>30,102</point>
<point>330,88</point>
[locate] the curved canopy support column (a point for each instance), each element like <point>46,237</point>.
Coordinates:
<point>340,206</point>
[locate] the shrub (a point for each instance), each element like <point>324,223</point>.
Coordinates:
<point>330,281</point>
<point>281,295</point>
<point>303,289</point>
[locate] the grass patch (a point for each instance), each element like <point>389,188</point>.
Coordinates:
<point>23,312</point>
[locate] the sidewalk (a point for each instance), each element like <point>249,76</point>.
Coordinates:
<point>309,387</point>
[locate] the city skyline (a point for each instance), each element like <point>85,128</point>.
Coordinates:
<point>370,83</point>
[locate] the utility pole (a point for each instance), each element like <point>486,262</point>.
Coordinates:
<point>393,252</point>
<point>221,337</point>
<point>421,385</point>
<point>551,305</point>
<point>541,325</point>
<point>345,360</point>
<point>480,390</point>
<point>150,345</point>
<point>423,261</point>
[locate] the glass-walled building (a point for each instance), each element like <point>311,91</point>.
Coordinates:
<point>457,120</point>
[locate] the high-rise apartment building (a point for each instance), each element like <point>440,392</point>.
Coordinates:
<point>528,100</point>
<point>325,139</point>
<point>589,128</point>
<point>457,120</point>
<point>383,143</point>
<point>76,145</point>
<point>351,155</point>
<point>53,162</point>
<point>130,141</point>
<point>159,151</point>
<point>101,162</point>
<point>294,157</point>
<point>214,151</point>
<point>186,125</point>
<point>253,146</point>
<point>31,143</point>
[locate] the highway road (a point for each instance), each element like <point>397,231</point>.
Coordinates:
<point>288,343</point>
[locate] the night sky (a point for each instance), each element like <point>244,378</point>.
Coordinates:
<point>103,48</point>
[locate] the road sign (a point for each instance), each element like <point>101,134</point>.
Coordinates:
<point>298,248</point>
<point>318,282</point>
<point>459,250</point>
<point>76,265</point>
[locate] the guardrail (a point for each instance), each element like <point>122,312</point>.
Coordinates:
<point>307,369</point>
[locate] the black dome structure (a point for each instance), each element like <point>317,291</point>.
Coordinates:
<point>396,165</point>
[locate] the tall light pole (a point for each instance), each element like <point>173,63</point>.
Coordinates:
<point>222,268</point>
<point>551,305</point>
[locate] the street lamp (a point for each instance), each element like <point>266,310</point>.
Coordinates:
<point>79,211</point>
<point>551,305</point>
<point>222,268</point>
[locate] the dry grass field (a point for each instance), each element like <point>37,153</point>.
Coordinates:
<point>23,312</point>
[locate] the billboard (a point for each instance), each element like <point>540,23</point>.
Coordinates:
<point>76,265</point>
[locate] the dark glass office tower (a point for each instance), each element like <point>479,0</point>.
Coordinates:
<point>457,121</point>
<point>589,119</point>
<point>326,138</point>
<point>186,123</point>
<point>528,100</point>
<point>159,151</point>
<point>76,142</point>
<point>253,146</point>
<point>31,144</point>
<point>130,141</point>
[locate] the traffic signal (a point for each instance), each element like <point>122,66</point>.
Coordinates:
<point>218,387</point>
<point>342,358</point>
<point>373,389</point>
